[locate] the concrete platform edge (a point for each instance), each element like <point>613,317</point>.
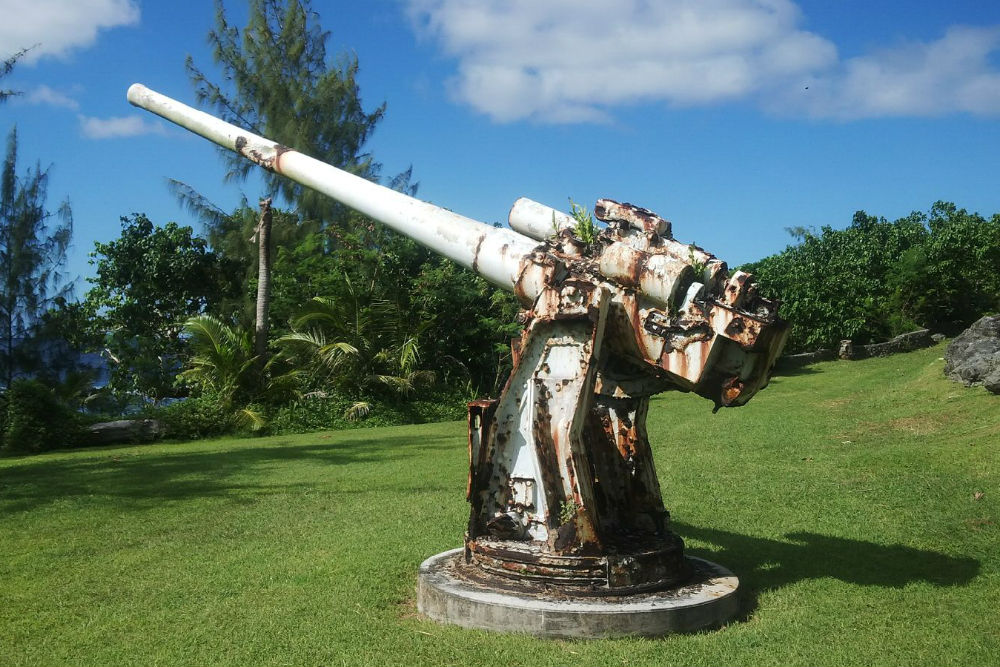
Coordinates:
<point>701,605</point>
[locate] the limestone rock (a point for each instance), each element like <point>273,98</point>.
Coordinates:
<point>992,381</point>
<point>124,431</point>
<point>906,342</point>
<point>973,358</point>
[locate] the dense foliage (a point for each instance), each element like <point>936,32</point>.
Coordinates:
<point>877,278</point>
<point>469,325</point>
<point>33,418</point>
<point>953,276</point>
<point>147,283</point>
<point>195,417</point>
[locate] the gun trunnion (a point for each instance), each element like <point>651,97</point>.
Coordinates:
<point>562,486</point>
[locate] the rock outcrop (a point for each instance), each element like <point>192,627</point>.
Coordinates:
<point>124,431</point>
<point>906,342</point>
<point>973,358</point>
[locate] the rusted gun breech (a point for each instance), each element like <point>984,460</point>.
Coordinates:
<point>562,485</point>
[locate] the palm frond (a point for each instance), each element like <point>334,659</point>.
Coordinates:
<point>409,355</point>
<point>315,344</point>
<point>284,387</point>
<point>221,356</point>
<point>319,311</point>
<point>399,385</point>
<point>359,410</point>
<point>311,340</point>
<point>421,378</point>
<point>251,418</point>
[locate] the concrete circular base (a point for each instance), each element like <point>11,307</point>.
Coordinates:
<point>709,600</point>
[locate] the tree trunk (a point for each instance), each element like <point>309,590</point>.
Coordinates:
<point>263,282</point>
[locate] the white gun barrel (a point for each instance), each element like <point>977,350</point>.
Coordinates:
<point>494,253</point>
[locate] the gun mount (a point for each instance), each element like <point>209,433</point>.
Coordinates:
<point>562,486</point>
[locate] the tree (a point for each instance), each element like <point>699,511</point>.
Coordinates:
<point>33,244</point>
<point>234,237</point>
<point>276,80</point>
<point>877,278</point>
<point>261,322</point>
<point>279,84</point>
<point>834,284</point>
<point>6,67</point>
<point>950,279</point>
<point>147,284</point>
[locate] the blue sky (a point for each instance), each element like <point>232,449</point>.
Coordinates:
<point>733,118</point>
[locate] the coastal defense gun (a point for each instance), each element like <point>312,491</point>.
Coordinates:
<point>562,486</point>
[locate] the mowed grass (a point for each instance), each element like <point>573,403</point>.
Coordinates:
<point>857,502</point>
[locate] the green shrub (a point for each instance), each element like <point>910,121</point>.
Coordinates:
<point>205,416</point>
<point>329,413</point>
<point>310,414</point>
<point>35,420</point>
<point>196,417</point>
<point>3,417</point>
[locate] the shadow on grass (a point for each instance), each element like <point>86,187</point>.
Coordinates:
<point>765,564</point>
<point>792,371</point>
<point>125,475</point>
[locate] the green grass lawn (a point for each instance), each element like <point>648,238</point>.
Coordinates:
<point>857,502</point>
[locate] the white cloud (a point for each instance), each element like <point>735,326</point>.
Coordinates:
<point>578,60</point>
<point>51,97</point>
<point>58,26</point>
<point>952,74</point>
<point>566,60</point>
<point>121,126</point>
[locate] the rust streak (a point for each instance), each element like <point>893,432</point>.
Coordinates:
<point>475,253</point>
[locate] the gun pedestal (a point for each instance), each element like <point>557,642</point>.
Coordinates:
<point>567,534</point>
<point>561,478</point>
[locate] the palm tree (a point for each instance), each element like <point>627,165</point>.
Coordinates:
<point>223,364</point>
<point>261,324</point>
<point>358,345</point>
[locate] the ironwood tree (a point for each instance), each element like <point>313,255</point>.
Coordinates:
<point>277,81</point>
<point>6,67</point>
<point>33,244</point>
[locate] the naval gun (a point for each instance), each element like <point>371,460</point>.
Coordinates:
<point>562,485</point>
